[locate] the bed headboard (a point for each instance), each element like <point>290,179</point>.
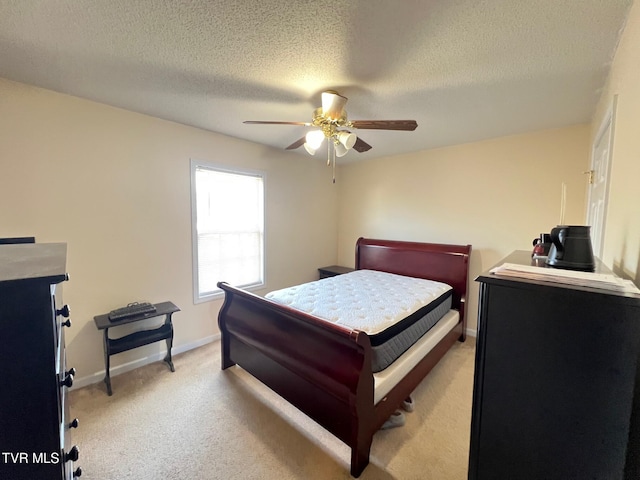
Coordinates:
<point>434,261</point>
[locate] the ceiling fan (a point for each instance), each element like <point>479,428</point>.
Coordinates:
<point>331,122</point>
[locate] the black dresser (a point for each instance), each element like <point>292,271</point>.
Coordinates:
<point>557,381</point>
<point>35,440</point>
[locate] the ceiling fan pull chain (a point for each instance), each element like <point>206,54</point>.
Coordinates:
<point>334,163</point>
<point>328,152</point>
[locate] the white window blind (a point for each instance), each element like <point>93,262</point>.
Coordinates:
<point>229,228</point>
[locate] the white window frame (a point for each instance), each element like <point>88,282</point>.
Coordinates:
<point>218,293</point>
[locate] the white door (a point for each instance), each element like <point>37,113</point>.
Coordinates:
<point>599,179</point>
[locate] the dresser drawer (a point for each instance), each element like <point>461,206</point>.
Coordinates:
<point>69,452</point>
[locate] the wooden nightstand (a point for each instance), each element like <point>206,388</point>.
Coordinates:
<point>333,270</point>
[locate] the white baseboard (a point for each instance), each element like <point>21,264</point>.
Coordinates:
<point>471,333</point>
<point>117,370</point>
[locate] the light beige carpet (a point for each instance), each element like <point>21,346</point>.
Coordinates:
<point>202,423</point>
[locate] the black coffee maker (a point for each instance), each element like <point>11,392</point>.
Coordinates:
<point>571,248</point>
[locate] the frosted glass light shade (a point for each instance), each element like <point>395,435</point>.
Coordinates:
<point>333,104</point>
<point>341,150</point>
<point>314,138</point>
<point>347,139</point>
<point>310,150</point>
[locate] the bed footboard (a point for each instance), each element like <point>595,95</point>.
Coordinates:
<point>322,369</point>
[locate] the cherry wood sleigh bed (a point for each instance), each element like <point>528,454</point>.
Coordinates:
<point>325,369</point>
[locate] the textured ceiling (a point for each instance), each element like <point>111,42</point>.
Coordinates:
<point>465,70</point>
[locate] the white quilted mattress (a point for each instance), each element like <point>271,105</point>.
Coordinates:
<point>365,300</point>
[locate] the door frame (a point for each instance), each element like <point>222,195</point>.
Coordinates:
<point>609,120</point>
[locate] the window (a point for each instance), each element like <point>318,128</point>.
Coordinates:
<point>227,228</point>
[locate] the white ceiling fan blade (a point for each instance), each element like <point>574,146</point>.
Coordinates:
<point>333,104</point>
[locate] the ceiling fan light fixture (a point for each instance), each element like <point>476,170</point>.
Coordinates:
<point>347,139</point>
<point>310,150</point>
<point>314,139</point>
<point>341,150</point>
<point>333,104</point>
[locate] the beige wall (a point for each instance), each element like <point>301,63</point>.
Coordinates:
<point>496,195</point>
<point>115,186</point>
<point>622,231</point>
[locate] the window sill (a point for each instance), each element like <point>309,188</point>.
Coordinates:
<point>219,295</point>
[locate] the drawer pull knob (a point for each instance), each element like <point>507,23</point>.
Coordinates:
<point>77,473</point>
<point>68,381</point>
<point>72,455</point>
<point>64,311</point>
<point>74,423</point>
<point>66,323</point>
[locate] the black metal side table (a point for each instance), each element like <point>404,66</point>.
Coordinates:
<point>136,339</point>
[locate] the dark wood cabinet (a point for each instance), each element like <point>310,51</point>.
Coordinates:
<point>557,382</point>
<point>35,440</point>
